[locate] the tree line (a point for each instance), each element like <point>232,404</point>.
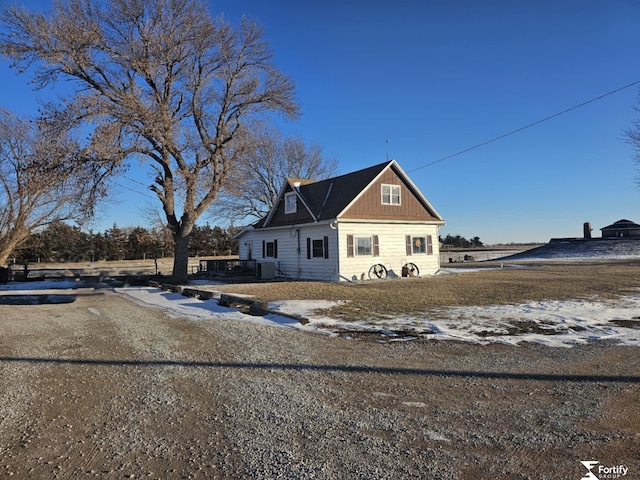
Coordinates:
<point>60,242</point>
<point>458,241</point>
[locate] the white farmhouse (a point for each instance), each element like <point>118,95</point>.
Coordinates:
<point>371,223</point>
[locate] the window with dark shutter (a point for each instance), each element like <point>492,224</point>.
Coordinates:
<point>429,245</point>
<point>409,248</point>
<point>275,249</point>
<point>376,246</point>
<point>270,250</point>
<point>317,248</point>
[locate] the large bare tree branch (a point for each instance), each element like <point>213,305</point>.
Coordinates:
<point>267,159</point>
<point>178,86</point>
<point>46,176</point>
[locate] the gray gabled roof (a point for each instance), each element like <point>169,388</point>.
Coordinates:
<point>328,198</point>
<point>325,199</point>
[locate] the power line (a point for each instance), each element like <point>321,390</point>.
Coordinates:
<point>517,130</point>
<point>144,194</point>
<point>135,191</point>
<point>135,181</point>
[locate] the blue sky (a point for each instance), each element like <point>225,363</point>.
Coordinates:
<point>438,77</point>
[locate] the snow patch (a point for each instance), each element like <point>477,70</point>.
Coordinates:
<point>553,323</point>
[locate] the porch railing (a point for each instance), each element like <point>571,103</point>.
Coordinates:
<point>227,267</point>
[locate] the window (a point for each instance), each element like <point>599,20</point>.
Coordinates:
<point>390,194</point>
<point>363,246</point>
<point>270,249</point>
<point>419,245</point>
<point>290,203</point>
<point>318,248</point>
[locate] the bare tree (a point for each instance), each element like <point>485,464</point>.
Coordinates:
<point>45,177</point>
<point>160,81</point>
<point>270,157</point>
<point>633,137</point>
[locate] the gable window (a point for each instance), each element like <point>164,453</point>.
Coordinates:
<point>419,245</point>
<point>290,203</point>
<point>390,194</point>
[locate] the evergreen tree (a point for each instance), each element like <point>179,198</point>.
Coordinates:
<point>458,241</point>
<point>60,242</point>
<point>116,243</point>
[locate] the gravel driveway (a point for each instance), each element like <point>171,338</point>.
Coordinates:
<point>106,388</point>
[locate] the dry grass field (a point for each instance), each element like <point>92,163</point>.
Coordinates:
<point>508,285</point>
<point>457,285</point>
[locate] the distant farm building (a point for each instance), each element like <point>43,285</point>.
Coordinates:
<point>621,228</point>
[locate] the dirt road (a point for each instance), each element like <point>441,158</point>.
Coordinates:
<point>106,388</point>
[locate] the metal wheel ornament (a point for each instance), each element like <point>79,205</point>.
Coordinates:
<point>410,270</point>
<point>377,271</point>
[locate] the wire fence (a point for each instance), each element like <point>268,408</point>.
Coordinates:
<point>460,256</point>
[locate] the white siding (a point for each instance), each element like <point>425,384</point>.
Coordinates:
<point>392,249</point>
<point>291,260</point>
